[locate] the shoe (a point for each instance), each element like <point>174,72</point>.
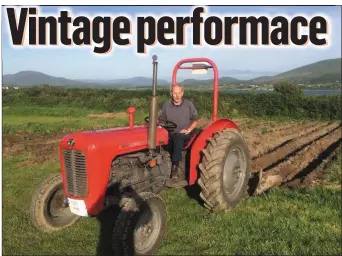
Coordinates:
<point>174,181</point>
<point>174,172</point>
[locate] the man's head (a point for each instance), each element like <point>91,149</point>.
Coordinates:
<point>177,92</point>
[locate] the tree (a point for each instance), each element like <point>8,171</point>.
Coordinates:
<point>287,89</point>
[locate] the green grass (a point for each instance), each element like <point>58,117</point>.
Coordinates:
<point>50,120</point>
<point>15,120</point>
<point>333,175</point>
<point>305,221</point>
<point>57,111</point>
<point>302,221</point>
<point>284,222</point>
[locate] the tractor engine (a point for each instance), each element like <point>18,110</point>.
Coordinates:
<point>134,173</point>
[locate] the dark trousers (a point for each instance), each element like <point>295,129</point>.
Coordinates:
<point>177,142</point>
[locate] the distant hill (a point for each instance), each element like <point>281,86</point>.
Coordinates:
<point>245,74</point>
<point>29,78</point>
<point>137,81</point>
<point>32,78</point>
<point>222,80</point>
<point>326,71</point>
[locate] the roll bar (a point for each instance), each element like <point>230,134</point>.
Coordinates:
<point>212,65</point>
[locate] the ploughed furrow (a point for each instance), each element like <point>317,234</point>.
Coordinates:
<point>288,169</point>
<point>279,155</point>
<point>256,137</point>
<point>299,130</point>
<point>314,172</point>
<point>288,127</point>
<point>262,142</point>
<point>274,141</point>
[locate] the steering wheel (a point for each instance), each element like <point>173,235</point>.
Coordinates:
<point>163,123</point>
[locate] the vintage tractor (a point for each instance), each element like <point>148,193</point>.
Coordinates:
<point>128,167</point>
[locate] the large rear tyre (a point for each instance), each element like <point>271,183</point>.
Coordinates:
<point>49,211</point>
<point>141,225</point>
<point>224,171</point>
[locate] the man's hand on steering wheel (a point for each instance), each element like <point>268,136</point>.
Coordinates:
<point>163,123</point>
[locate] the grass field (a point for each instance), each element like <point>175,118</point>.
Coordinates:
<point>300,218</point>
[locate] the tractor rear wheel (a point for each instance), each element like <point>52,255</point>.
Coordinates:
<point>48,211</point>
<point>141,225</point>
<point>224,171</point>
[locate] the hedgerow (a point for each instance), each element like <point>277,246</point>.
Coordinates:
<point>281,103</point>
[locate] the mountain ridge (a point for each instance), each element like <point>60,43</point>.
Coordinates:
<point>328,70</point>
<point>324,71</point>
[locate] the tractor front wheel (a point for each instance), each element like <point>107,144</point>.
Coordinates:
<point>49,212</point>
<point>141,225</point>
<point>224,171</point>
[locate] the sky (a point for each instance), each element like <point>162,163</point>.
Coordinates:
<point>81,63</point>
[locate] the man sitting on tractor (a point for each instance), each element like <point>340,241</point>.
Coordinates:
<point>183,113</point>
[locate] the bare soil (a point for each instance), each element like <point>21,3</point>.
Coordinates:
<point>314,173</point>
<point>109,115</point>
<point>288,154</point>
<point>301,158</point>
<point>290,147</point>
<point>41,148</point>
<point>262,140</point>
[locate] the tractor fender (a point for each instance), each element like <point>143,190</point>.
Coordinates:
<point>201,142</point>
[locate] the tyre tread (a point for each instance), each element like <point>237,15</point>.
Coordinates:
<point>37,218</point>
<point>210,170</point>
<point>123,225</point>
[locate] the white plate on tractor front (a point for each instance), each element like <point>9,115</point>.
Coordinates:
<point>78,207</point>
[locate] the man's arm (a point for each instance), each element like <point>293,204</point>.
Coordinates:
<point>192,126</point>
<point>193,117</point>
<point>162,114</point>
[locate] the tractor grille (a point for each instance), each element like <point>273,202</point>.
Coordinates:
<point>76,172</point>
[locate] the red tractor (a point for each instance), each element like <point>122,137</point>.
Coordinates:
<point>128,167</point>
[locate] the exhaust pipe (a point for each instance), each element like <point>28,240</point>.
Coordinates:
<point>152,127</point>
